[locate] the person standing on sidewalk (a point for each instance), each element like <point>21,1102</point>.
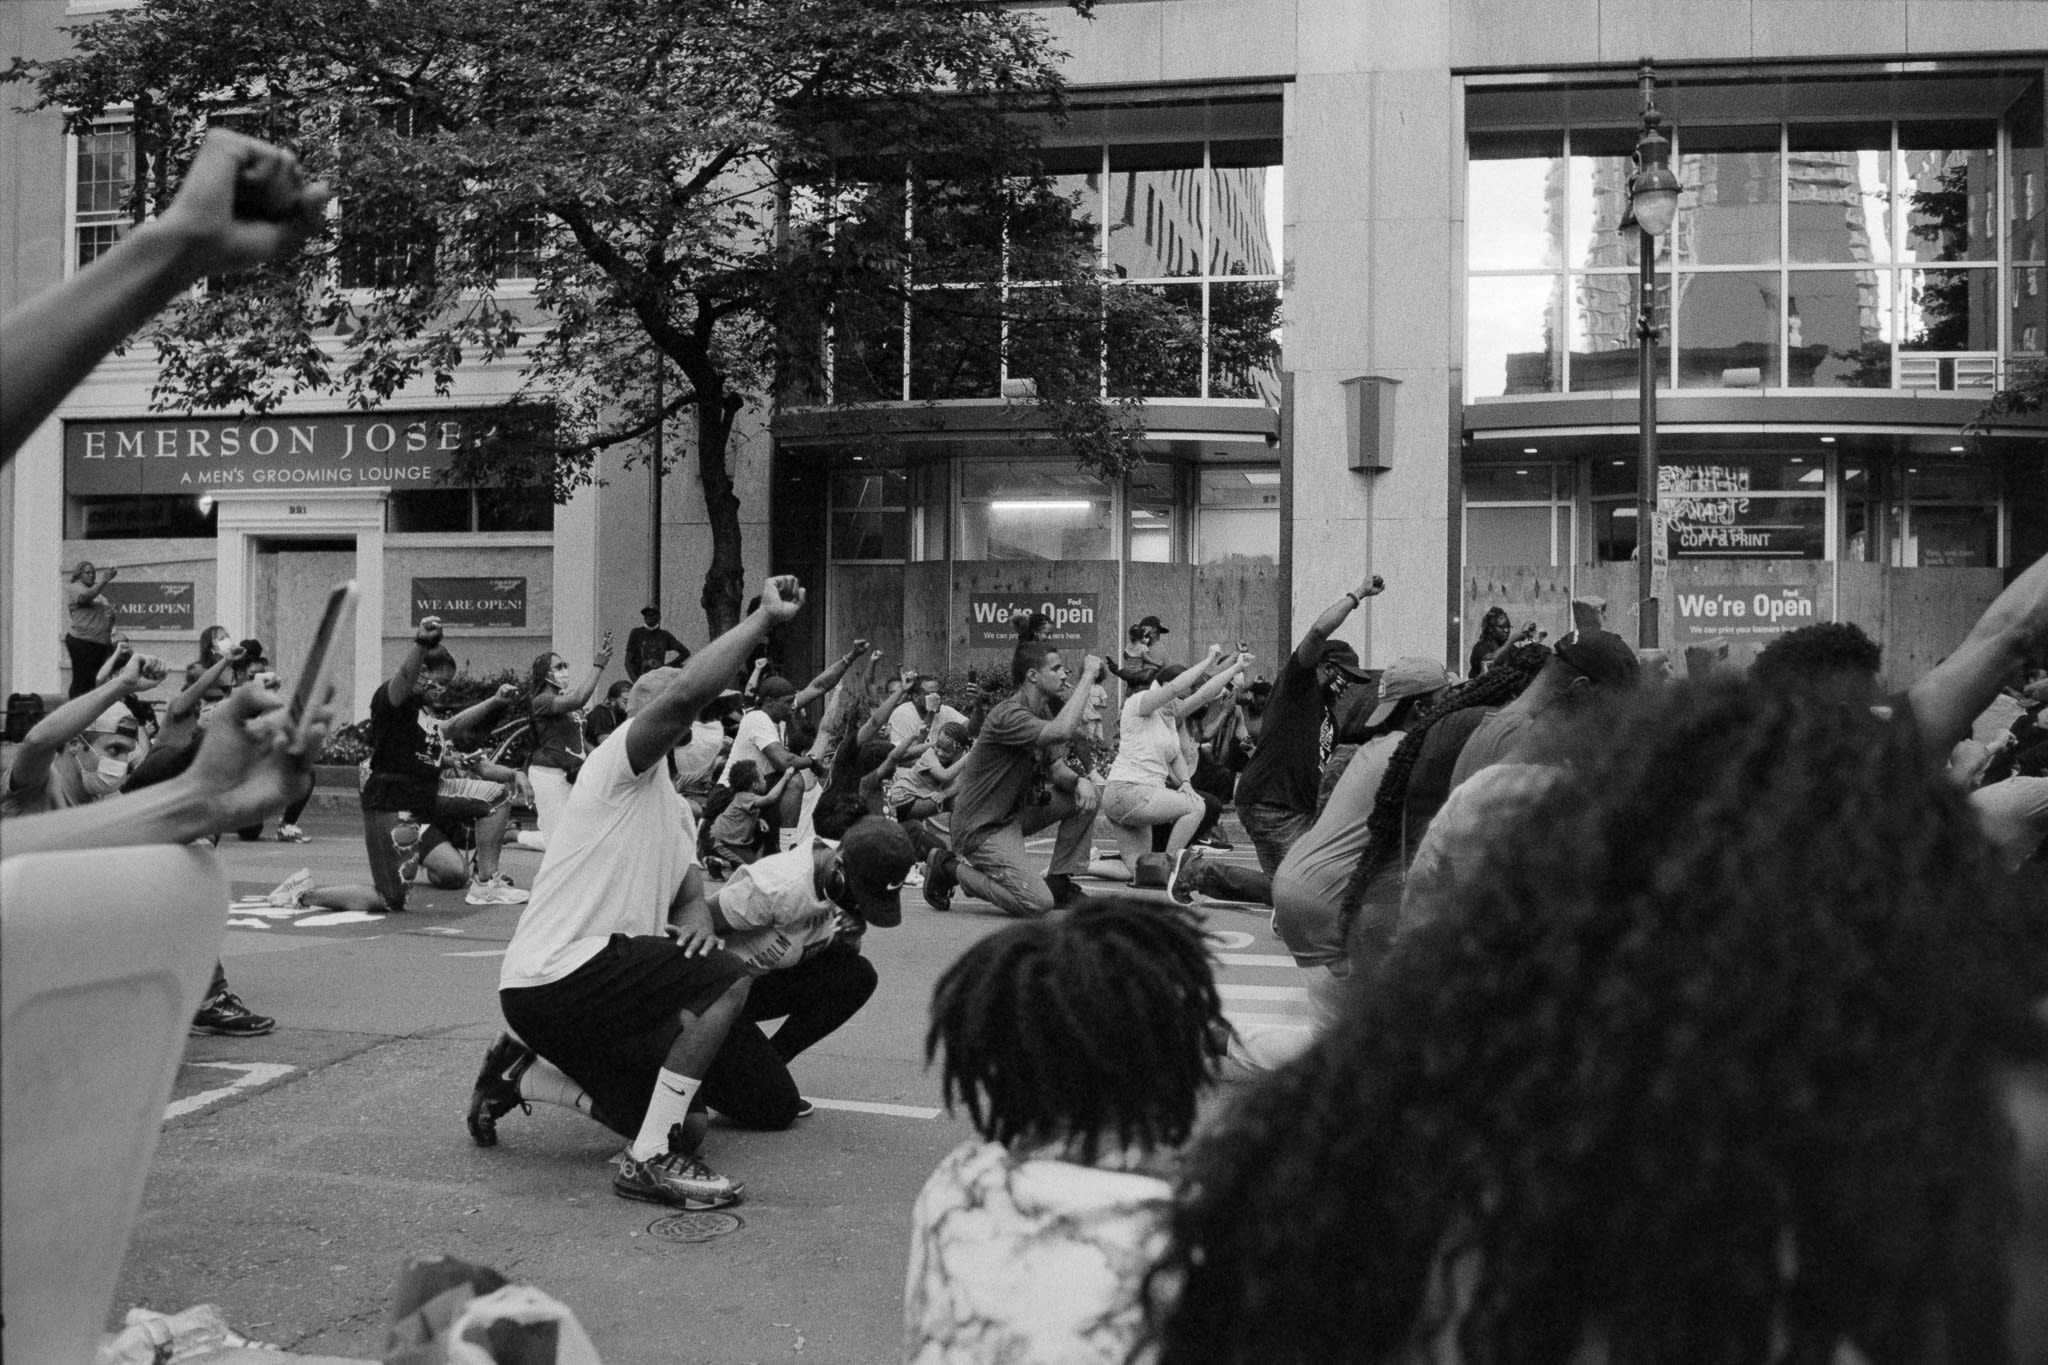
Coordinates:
<point>89,638</point>
<point>1276,795</point>
<point>1015,785</point>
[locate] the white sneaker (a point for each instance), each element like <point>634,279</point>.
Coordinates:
<point>498,891</point>
<point>914,877</point>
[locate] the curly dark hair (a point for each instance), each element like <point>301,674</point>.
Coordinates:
<point>1817,652</point>
<point>1102,1026</point>
<point>1700,1065</point>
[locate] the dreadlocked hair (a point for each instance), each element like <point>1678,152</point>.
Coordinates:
<point>1699,1064</point>
<point>1512,672</point>
<point>1100,1028</point>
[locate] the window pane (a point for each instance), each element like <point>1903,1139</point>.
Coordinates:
<point>1954,537</point>
<point>1839,329</point>
<point>1244,340</point>
<point>428,509</point>
<point>1057,231</point>
<point>1840,186</point>
<point>1728,330</point>
<point>1140,364</point>
<point>984,479</point>
<point>2027,191</point>
<point>1155,193</point>
<point>1151,503</point>
<point>1507,483</point>
<point>1037,528</point>
<point>1739,473</point>
<point>1604,331</point>
<point>96,241</point>
<point>1614,531</point>
<point>1244,210</point>
<point>1728,207</point>
<point>870,533</point>
<point>1949,176</point>
<point>1719,527</point>
<point>956,343</point>
<point>931,484</point>
<point>106,170</point>
<point>1949,310</point>
<point>1512,217</point>
<point>1507,535</point>
<point>1514,335</point>
<point>867,351</point>
<point>1613,476</point>
<point>125,518</point>
<point>1241,486</point>
<point>1602,164</point>
<point>1932,482</point>
<point>1240,535</point>
<point>959,232</point>
<point>514,509</point>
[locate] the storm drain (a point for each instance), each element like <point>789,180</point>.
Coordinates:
<point>694,1227</point>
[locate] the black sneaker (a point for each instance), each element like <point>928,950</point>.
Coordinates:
<point>226,1016</point>
<point>1064,892</point>
<point>804,1108</point>
<point>496,1092</point>
<point>677,1178</point>
<point>939,879</point>
<point>1212,840</point>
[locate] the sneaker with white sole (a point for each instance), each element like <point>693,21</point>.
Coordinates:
<point>1180,883</point>
<point>225,1016</point>
<point>677,1178</point>
<point>497,891</point>
<point>292,834</point>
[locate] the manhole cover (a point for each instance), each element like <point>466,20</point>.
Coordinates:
<point>694,1227</point>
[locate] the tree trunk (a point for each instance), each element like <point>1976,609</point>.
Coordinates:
<point>725,579</point>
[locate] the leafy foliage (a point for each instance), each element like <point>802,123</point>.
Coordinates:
<point>706,192</point>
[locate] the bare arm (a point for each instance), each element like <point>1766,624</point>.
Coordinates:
<point>1061,728</point>
<point>425,638</point>
<point>50,344</point>
<point>871,728</point>
<point>463,724</point>
<point>663,722</point>
<point>1152,698</point>
<point>577,697</point>
<point>1311,646</point>
<point>1962,685</point>
<point>826,681</point>
<point>47,738</point>
<point>186,703</point>
<point>1216,686</point>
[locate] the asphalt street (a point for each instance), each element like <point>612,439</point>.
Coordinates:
<point>297,1170</point>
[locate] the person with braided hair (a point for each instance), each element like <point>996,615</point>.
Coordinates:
<point>1416,783</point>
<point>1720,1057</point>
<point>1079,1047</point>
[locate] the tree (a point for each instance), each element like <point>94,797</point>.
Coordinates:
<point>714,189</point>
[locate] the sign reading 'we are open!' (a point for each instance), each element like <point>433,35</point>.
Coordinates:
<point>470,601</point>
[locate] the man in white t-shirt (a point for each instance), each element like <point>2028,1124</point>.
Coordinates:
<point>796,920</point>
<point>911,721</point>
<point>625,1019</point>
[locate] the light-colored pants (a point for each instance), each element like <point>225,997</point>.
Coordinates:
<point>1132,808</point>
<point>991,866</point>
<point>550,798</point>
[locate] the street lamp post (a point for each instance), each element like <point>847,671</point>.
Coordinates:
<point>1652,203</point>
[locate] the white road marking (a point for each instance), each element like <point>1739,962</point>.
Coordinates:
<point>336,917</point>
<point>1248,1022</point>
<point>1234,992</point>
<point>1228,938</point>
<point>901,1111</point>
<point>1258,959</point>
<point>248,924</point>
<point>253,1074</point>
<point>480,952</point>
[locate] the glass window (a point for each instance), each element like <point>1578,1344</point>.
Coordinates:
<point>1728,329</point>
<point>1238,515</point>
<point>1839,186</point>
<point>1244,340</point>
<point>1162,183</point>
<point>1033,510</point>
<point>1150,369</point>
<point>1152,506</point>
<point>867,352</point>
<point>1517,514</point>
<point>956,344</point>
<point>931,507</point>
<point>1947,180</point>
<point>1603,351</point>
<point>514,509</point>
<point>1508,535</point>
<point>428,509</point>
<point>1245,198</point>
<point>1950,515</point>
<point>1508,483</point>
<point>1728,207</point>
<point>1602,164</point>
<point>139,518</point>
<point>1744,505</point>
<point>1513,214</point>
<point>1949,310</point>
<point>102,214</point>
<point>1514,335</point>
<point>1839,329</point>
<point>869,515</point>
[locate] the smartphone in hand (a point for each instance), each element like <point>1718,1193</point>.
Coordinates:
<point>315,685</point>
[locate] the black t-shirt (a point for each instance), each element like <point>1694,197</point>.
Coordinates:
<point>405,754</point>
<point>1288,760</point>
<point>1429,781</point>
<point>647,647</point>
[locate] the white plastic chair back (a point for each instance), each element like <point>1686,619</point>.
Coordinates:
<point>103,957</point>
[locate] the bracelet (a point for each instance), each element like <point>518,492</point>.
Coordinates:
<point>1356,600</point>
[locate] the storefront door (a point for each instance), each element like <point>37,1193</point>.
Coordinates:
<point>292,580</point>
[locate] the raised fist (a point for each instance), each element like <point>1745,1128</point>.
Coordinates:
<point>507,691</point>
<point>781,597</point>
<point>429,633</point>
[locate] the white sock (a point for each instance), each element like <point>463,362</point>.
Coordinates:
<point>545,1084</point>
<point>669,1105</point>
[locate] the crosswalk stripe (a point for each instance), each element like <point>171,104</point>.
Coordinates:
<point>1231,991</point>
<point>1258,960</point>
<point>1265,1021</point>
<point>901,1111</point>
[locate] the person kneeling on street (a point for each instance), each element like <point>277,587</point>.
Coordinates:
<point>412,813</point>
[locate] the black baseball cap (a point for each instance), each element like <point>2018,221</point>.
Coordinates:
<point>876,854</point>
<point>1602,656</point>
<point>1154,623</point>
<point>1344,659</point>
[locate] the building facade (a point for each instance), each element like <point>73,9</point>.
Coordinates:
<point>1426,203</point>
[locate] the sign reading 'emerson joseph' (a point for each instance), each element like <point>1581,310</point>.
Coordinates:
<point>190,455</point>
<point>470,601</point>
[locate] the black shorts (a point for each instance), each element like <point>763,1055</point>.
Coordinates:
<point>609,1024</point>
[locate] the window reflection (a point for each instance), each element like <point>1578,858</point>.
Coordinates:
<point>1949,310</point>
<point>1514,217</point>
<point>1728,203</point>
<point>1603,349</point>
<point>1839,329</point>
<point>1244,340</point>
<point>1839,187</point>
<point>1728,329</point>
<point>1602,163</point>
<point>1155,194</point>
<point>1514,335</point>
<point>1238,515</point>
<point>1150,368</point>
<point>956,344</point>
<point>1245,209</point>
<point>1949,171</point>
<point>1033,510</point>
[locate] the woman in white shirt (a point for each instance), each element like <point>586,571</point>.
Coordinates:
<point>1149,784</point>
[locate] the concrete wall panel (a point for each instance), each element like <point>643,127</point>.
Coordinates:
<point>1674,30</point>
<point>1228,39</point>
<point>1828,28</point>
<point>1524,32</point>
<point>1937,26</point>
